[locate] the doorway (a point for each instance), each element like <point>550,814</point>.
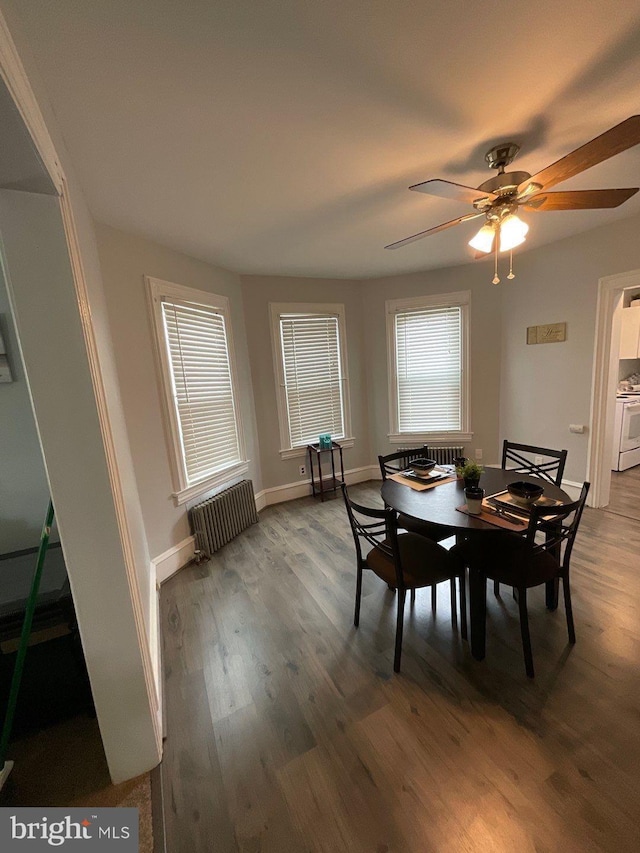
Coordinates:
<point>46,249</point>
<point>615,491</point>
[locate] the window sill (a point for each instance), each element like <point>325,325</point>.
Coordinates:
<point>295,452</point>
<point>427,437</point>
<point>220,478</point>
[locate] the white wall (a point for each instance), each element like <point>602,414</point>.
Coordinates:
<point>258,292</point>
<point>125,260</point>
<point>545,387</point>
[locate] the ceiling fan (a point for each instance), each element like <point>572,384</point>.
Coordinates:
<point>499,198</point>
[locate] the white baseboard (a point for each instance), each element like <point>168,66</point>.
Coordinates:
<point>167,564</point>
<point>154,638</point>
<point>155,645</point>
<point>374,473</point>
<point>161,569</point>
<point>292,491</point>
<point>572,489</point>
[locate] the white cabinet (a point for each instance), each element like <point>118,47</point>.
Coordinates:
<point>630,333</point>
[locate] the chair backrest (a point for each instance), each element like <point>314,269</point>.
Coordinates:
<point>376,526</point>
<point>562,527</point>
<point>393,463</point>
<point>523,455</point>
<point>379,528</point>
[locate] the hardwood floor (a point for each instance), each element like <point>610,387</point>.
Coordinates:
<point>625,493</point>
<point>287,730</point>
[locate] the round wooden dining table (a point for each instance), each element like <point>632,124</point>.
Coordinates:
<point>438,506</point>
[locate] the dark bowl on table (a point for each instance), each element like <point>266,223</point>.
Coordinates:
<point>422,467</point>
<point>525,493</point>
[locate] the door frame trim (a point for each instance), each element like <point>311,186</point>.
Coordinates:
<point>17,82</point>
<point>604,383</point>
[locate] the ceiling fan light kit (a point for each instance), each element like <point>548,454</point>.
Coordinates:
<point>499,198</point>
<point>513,232</point>
<point>483,240</point>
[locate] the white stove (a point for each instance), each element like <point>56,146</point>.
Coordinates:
<point>626,431</point>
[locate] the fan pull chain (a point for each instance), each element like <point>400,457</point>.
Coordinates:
<point>496,278</point>
<point>511,275</point>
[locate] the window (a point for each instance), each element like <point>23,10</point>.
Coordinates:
<point>311,377</point>
<point>193,337</point>
<point>428,377</point>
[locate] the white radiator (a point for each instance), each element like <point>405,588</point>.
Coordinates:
<point>445,455</point>
<point>219,519</point>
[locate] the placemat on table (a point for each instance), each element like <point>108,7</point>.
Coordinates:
<point>418,484</point>
<point>507,501</point>
<point>496,520</point>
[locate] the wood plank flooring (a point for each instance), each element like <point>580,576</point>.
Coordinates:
<point>625,493</point>
<point>287,730</point>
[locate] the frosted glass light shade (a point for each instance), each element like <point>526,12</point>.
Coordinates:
<point>512,232</point>
<point>483,240</point>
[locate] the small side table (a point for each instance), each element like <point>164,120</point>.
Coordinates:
<point>324,484</point>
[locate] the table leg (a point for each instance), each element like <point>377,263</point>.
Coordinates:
<point>478,612</point>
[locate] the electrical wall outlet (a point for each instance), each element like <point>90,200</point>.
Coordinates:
<point>478,453</point>
<point>303,470</point>
<point>538,460</point>
<point>579,428</point>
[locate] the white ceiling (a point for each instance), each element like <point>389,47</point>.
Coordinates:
<point>281,136</point>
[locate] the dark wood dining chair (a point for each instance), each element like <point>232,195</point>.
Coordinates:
<point>407,561</point>
<point>523,563</point>
<point>394,463</point>
<point>521,459</point>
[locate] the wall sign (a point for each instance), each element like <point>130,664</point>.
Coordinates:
<point>551,333</point>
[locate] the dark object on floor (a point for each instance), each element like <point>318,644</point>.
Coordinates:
<point>54,686</point>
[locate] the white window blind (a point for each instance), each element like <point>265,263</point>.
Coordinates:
<point>429,369</point>
<point>202,387</point>
<point>312,376</point>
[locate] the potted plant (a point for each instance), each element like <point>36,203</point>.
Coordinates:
<point>470,473</point>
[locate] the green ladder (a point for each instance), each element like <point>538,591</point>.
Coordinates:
<point>5,766</point>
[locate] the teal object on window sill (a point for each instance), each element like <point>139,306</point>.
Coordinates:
<point>324,441</point>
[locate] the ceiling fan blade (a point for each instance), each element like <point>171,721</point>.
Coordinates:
<point>619,138</point>
<point>435,230</point>
<point>579,199</point>
<point>457,192</point>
